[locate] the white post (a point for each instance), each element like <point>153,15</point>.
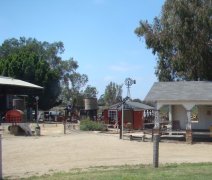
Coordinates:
<point>170,117</point>
<point>189,138</point>
<point>188,125</point>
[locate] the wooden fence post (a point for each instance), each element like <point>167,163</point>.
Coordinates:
<point>156,140</point>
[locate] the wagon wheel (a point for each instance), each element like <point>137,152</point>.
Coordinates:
<point>9,128</point>
<point>13,129</point>
<point>16,130</point>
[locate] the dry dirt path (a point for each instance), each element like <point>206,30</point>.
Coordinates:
<point>53,151</point>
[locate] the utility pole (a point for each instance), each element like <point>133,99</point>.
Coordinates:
<point>156,139</point>
<point>37,98</point>
<point>128,82</point>
<point>122,117</point>
<point>37,129</point>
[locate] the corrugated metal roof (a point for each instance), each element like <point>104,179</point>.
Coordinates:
<point>16,82</point>
<point>131,105</point>
<point>180,91</point>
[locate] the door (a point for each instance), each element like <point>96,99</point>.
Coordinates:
<point>138,121</point>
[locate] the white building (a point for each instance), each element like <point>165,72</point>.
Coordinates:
<point>189,102</point>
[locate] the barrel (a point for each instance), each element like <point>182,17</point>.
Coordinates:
<point>14,116</point>
<point>90,103</point>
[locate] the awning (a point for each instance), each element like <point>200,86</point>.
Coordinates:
<point>15,86</point>
<point>16,82</point>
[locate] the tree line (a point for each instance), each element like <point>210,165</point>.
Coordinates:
<point>40,63</point>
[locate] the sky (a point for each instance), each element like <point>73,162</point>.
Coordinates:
<point>98,34</point>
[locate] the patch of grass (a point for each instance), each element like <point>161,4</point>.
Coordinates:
<point>186,171</point>
<point>88,125</point>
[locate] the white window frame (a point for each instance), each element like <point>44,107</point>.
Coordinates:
<point>113,115</point>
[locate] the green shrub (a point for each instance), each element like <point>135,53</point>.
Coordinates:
<point>88,125</point>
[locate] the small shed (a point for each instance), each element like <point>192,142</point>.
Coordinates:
<point>189,105</point>
<point>9,88</point>
<point>133,114</point>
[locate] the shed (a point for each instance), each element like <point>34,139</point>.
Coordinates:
<point>133,114</point>
<point>10,87</point>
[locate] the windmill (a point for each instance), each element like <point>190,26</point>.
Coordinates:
<point>129,82</point>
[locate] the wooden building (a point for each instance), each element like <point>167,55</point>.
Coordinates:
<point>133,114</point>
<point>14,92</point>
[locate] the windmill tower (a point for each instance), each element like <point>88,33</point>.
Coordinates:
<point>129,82</point>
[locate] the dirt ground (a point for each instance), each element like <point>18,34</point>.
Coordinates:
<point>53,151</point>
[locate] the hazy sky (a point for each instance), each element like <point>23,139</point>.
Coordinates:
<point>99,34</point>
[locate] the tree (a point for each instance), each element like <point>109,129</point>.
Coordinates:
<point>101,100</point>
<point>137,100</point>
<point>39,63</point>
<point>90,92</point>
<point>182,39</point>
<point>71,89</point>
<point>113,93</point>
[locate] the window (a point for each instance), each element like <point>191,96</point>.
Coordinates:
<point>112,114</point>
<point>194,114</point>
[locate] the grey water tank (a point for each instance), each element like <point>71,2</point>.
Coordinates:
<point>90,103</point>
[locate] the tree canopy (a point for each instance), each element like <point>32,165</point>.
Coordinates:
<point>182,40</point>
<point>90,92</point>
<point>113,93</point>
<point>40,63</point>
<point>71,88</point>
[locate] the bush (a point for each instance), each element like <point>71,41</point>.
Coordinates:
<point>88,125</point>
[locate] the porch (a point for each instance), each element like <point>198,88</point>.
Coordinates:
<point>192,120</point>
<point>188,106</point>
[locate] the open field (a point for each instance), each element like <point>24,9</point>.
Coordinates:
<point>53,152</point>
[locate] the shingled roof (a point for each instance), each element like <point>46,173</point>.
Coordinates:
<point>180,91</point>
<point>131,105</point>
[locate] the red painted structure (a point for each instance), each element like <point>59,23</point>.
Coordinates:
<point>14,116</point>
<point>106,118</point>
<point>138,119</point>
<point>133,115</point>
<point>134,119</point>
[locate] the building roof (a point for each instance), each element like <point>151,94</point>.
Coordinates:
<point>131,105</point>
<point>180,91</point>
<point>7,81</point>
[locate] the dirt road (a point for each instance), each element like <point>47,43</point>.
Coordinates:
<point>54,151</point>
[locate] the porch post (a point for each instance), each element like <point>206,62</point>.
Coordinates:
<point>189,138</point>
<point>170,117</point>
